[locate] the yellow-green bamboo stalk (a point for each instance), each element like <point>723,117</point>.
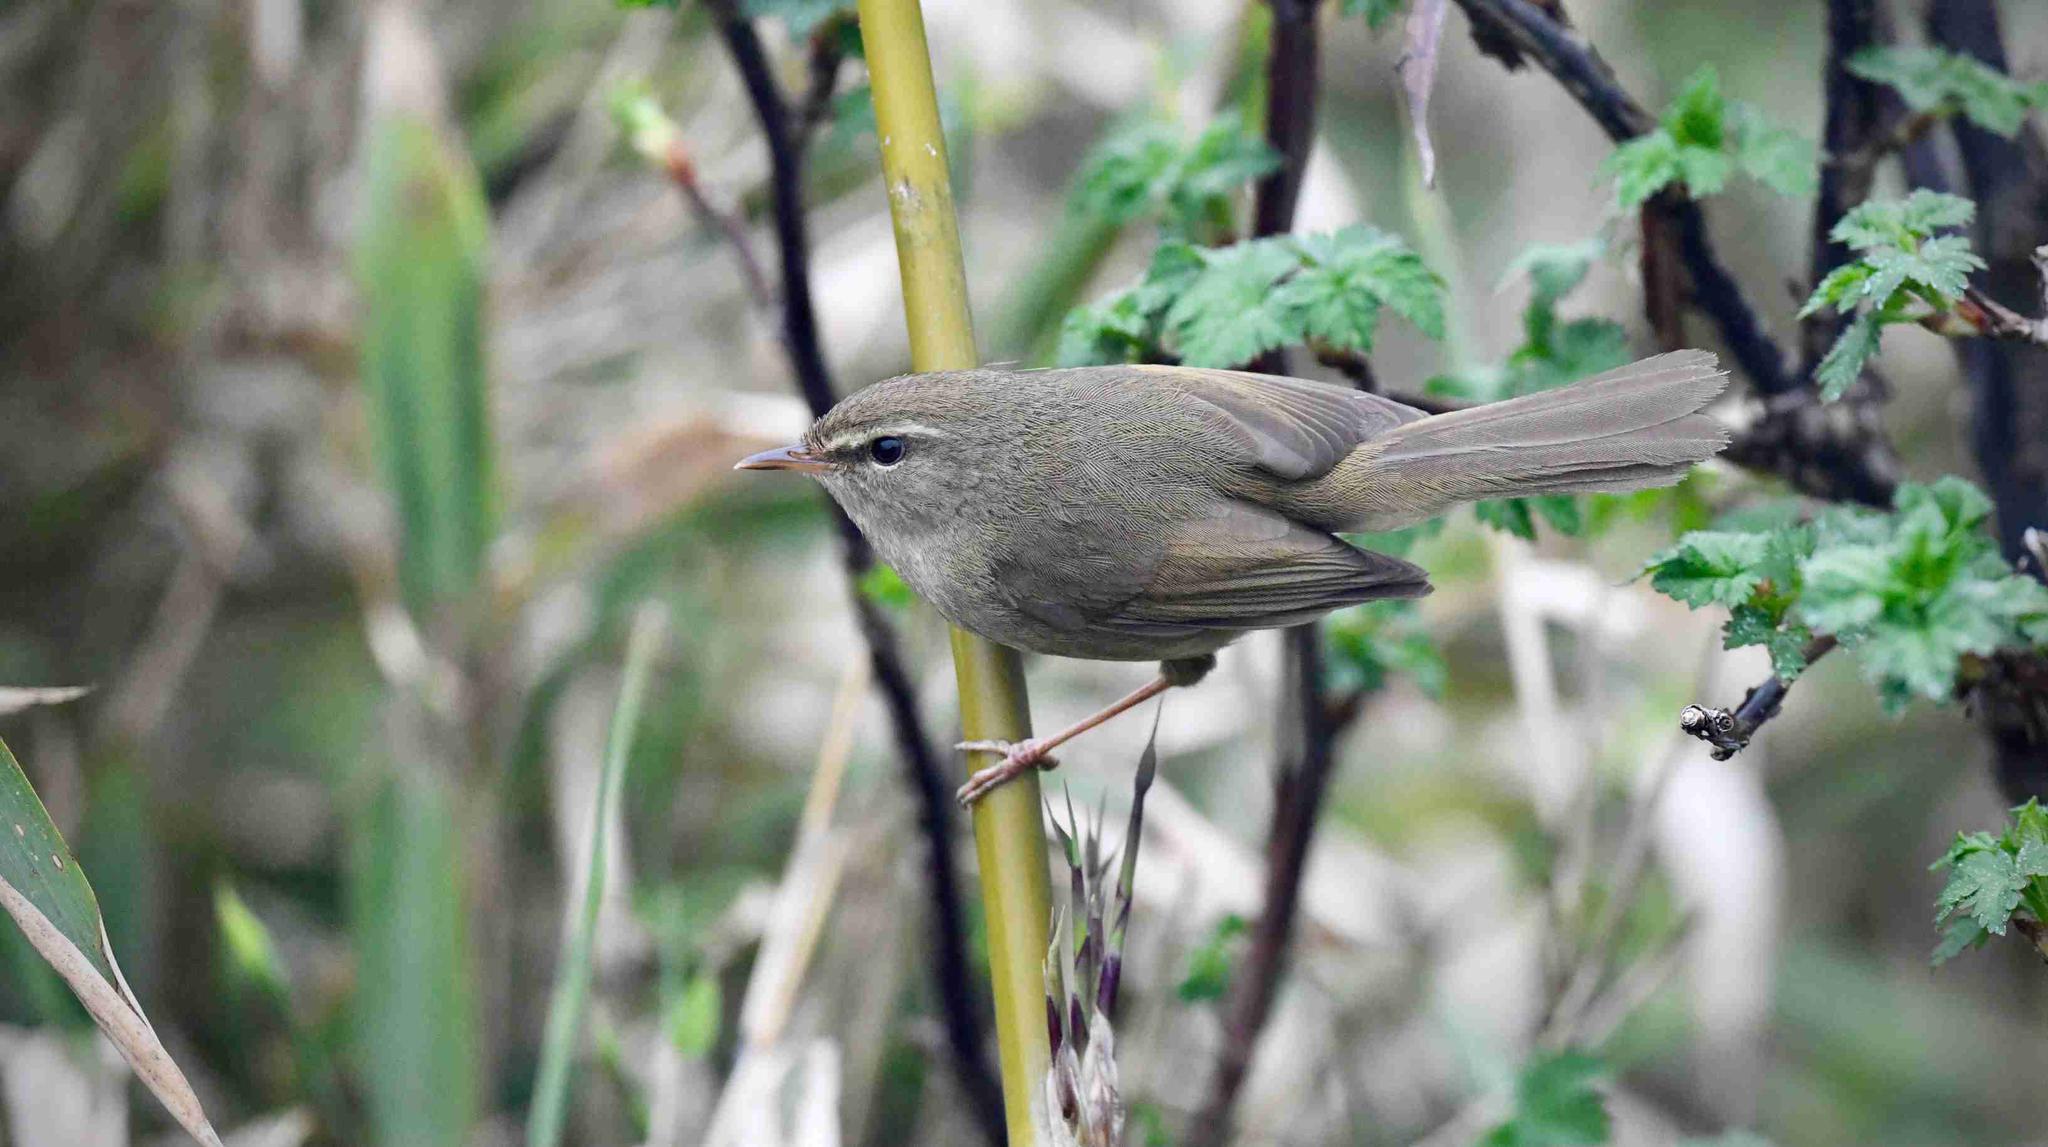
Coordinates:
<point>1008,835</point>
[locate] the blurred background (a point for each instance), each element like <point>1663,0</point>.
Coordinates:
<point>359,382</point>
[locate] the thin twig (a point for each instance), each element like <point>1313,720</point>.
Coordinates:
<point>1729,731</point>
<point>1305,773</point>
<point>953,987</point>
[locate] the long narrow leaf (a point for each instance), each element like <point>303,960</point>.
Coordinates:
<point>572,983</point>
<point>420,268</point>
<point>415,1016</point>
<point>44,891</point>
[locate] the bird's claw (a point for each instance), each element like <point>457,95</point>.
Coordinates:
<point>1018,757</point>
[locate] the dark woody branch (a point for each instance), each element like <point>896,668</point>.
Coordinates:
<point>1304,772</point>
<point>786,136</point>
<point>1861,466</point>
<point>1729,731</point>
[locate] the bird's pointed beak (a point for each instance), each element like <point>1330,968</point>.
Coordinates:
<point>784,458</point>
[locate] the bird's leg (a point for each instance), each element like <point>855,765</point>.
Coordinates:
<point>1036,752</point>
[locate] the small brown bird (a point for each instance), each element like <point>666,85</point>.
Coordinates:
<point>1140,513</point>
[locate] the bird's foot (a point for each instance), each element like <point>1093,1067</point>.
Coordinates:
<point>1018,757</point>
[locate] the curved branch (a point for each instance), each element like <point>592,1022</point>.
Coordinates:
<point>1863,463</point>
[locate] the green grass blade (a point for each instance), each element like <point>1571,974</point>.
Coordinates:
<point>415,1015</point>
<point>572,983</point>
<point>420,267</point>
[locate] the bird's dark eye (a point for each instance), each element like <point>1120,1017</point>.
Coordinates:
<point>886,450</point>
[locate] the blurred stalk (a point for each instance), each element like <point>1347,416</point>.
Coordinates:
<point>572,982</point>
<point>1008,834</point>
<point>426,875</point>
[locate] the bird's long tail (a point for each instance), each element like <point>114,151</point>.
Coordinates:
<point>1631,428</point>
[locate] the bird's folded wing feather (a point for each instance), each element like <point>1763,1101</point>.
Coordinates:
<point>1246,567</point>
<point>1290,427</point>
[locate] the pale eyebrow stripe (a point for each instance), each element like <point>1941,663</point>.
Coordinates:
<point>900,429</point>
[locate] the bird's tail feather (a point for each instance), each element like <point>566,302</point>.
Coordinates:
<point>1631,428</point>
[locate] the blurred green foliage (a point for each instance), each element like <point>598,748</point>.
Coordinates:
<point>1942,83</point>
<point>1702,139</point>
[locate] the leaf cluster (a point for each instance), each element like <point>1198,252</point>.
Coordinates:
<point>1149,168</point>
<point>1702,139</point>
<point>1943,83</point>
<point>1224,306</point>
<point>1368,643</point>
<point>1912,592</point>
<point>1554,351</point>
<point>1556,1105</point>
<point>1903,271</point>
<point>1992,879</point>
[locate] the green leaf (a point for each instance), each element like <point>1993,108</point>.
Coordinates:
<point>1209,964</point>
<point>420,267</point>
<point>251,955</point>
<point>1367,259</point>
<point>1781,160</point>
<point>884,586</point>
<point>48,897</point>
<point>1959,935</point>
<point>692,1016</point>
<point>1986,887</point>
<point>1943,82</point>
<point>1226,317</point>
<point>1556,1105</point>
<point>1371,642</point>
<point>1147,167</point>
<point>1701,140</point>
<point>562,1035</point>
<point>1843,364</point>
<point>1697,116</point>
<point>1509,515</point>
<point>1642,167</point>
<point>1710,568</point>
<point>1900,222</point>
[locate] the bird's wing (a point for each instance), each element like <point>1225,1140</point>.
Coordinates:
<point>1290,427</point>
<point>1243,566</point>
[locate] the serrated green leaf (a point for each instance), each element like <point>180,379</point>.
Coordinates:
<point>1900,222</point>
<point>1781,160</point>
<point>1935,80</point>
<point>1229,315</point>
<point>1985,886</point>
<point>1709,568</point>
<point>1843,364</point>
<point>1149,167</point>
<point>1697,117</point>
<point>1642,167</point>
<point>1959,935</point>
